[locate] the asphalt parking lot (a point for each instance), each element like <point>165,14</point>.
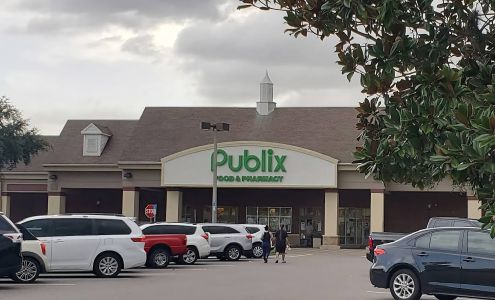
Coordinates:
<point>309,274</point>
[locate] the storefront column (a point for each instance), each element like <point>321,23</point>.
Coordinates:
<point>56,203</point>
<point>377,210</point>
<point>173,211</point>
<point>130,201</point>
<point>331,236</point>
<point>6,204</point>
<point>473,207</point>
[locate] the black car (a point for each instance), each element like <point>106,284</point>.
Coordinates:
<point>444,262</point>
<point>10,247</point>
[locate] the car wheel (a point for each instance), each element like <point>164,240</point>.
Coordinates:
<point>190,257</point>
<point>445,297</point>
<point>159,258</point>
<point>29,271</point>
<point>257,251</point>
<point>404,285</point>
<point>107,265</point>
<point>233,252</point>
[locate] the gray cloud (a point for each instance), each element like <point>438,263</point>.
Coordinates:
<point>228,59</point>
<point>142,45</point>
<point>76,15</point>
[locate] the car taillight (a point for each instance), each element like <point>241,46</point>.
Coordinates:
<point>249,236</point>
<point>370,242</point>
<point>205,236</point>
<point>140,239</point>
<point>379,251</point>
<point>43,248</point>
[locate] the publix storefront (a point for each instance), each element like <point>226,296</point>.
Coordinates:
<point>259,182</point>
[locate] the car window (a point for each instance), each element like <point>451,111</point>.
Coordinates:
<point>445,240</point>
<point>220,229</point>
<point>169,229</point>
<point>463,223</point>
<point>480,242</point>
<point>39,228</point>
<point>252,230</point>
<point>5,226</point>
<point>26,234</point>
<point>72,227</point>
<point>111,227</point>
<point>443,223</point>
<point>423,241</point>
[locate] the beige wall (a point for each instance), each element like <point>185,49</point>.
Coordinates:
<point>331,218</point>
<point>377,211</point>
<point>130,203</point>
<point>6,205</point>
<point>474,210</point>
<point>56,204</point>
<point>143,178</point>
<point>173,211</point>
<point>356,180</point>
<point>94,180</point>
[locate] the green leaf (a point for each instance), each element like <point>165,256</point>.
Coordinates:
<point>464,166</point>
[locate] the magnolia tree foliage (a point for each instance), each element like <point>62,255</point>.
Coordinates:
<point>427,69</point>
<point>18,143</point>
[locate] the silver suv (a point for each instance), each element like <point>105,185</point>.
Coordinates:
<point>228,241</point>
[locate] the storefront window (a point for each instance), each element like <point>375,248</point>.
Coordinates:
<point>271,216</point>
<point>226,214</point>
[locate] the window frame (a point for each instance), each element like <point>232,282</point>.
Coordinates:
<point>459,242</point>
<point>465,248</point>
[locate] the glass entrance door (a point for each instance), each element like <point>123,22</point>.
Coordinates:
<point>353,226</point>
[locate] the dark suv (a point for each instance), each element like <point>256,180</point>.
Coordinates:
<point>10,247</point>
<point>444,262</point>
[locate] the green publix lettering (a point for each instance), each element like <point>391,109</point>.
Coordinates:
<point>268,162</point>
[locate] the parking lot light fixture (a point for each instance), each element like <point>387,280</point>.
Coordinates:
<point>214,127</point>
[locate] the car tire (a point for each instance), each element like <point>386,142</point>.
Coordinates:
<point>257,250</point>
<point>221,257</point>
<point>404,285</point>
<point>190,257</point>
<point>29,271</point>
<point>107,265</point>
<point>233,253</point>
<point>158,258</point>
<point>445,297</point>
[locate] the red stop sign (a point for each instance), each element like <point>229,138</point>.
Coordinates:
<point>150,211</point>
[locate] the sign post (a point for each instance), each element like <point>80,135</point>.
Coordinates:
<point>150,212</point>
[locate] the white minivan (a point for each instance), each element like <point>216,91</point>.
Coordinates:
<point>103,244</point>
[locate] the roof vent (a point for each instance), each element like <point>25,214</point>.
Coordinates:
<point>266,105</point>
<point>95,139</point>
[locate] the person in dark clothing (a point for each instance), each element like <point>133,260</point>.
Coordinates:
<point>266,239</point>
<point>281,242</point>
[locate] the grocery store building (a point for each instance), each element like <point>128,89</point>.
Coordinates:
<point>276,165</point>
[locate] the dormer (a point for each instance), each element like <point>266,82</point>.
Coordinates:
<point>95,139</point>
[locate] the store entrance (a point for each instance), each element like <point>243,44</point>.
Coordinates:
<point>353,227</point>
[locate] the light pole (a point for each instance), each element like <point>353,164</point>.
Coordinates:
<point>214,127</point>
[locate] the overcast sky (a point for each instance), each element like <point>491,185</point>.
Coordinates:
<point>90,59</point>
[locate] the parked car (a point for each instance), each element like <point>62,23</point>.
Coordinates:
<point>378,238</point>
<point>161,247</point>
<point>257,231</point>
<point>198,245</point>
<point>228,241</point>
<point>10,247</point>
<point>34,260</point>
<point>103,244</point>
<point>444,262</point>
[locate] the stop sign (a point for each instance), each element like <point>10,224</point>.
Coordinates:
<point>150,211</point>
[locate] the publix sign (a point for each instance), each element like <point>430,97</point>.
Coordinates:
<point>250,164</point>
<point>265,161</point>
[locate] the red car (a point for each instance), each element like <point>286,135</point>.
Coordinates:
<point>160,247</point>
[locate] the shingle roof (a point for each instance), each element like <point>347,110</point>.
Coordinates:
<point>69,145</point>
<point>162,131</point>
<point>38,160</point>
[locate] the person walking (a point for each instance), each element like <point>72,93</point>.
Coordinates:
<point>266,239</point>
<point>281,243</point>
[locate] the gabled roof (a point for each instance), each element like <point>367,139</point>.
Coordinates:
<point>93,128</point>
<point>162,131</point>
<point>69,145</point>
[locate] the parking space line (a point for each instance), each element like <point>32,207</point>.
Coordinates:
<point>377,292</point>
